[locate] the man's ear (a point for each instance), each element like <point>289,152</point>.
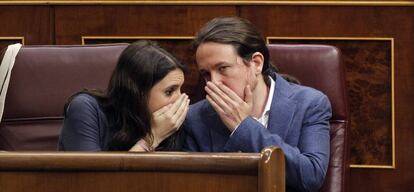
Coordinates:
<point>257,61</point>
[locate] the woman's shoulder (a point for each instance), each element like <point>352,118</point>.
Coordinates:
<point>84,97</point>
<point>83,102</point>
<point>84,126</point>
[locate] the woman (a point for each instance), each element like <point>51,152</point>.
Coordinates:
<point>141,110</point>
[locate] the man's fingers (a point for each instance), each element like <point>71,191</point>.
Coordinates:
<point>214,104</point>
<point>223,105</point>
<point>230,93</point>
<point>223,95</point>
<point>225,117</point>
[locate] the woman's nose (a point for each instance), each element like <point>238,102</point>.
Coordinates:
<point>177,95</point>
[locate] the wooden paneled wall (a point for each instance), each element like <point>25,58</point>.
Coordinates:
<point>376,40</point>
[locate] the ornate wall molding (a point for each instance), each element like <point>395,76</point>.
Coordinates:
<point>359,145</point>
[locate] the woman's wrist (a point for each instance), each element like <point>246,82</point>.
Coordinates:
<point>151,141</point>
<point>147,143</point>
<point>155,140</point>
<point>143,143</point>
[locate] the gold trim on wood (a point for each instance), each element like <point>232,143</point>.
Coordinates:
<point>13,38</point>
<point>207,2</point>
<point>332,38</point>
<point>391,39</point>
<point>372,166</point>
<point>134,37</point>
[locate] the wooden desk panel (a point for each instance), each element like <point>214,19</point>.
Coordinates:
<point>80,181</point>
<point>158,171</point>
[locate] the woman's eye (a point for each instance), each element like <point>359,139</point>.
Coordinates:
<point>168,92</point>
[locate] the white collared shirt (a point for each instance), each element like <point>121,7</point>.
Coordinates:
<point>264,118</point>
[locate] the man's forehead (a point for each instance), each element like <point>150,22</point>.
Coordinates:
<point>212,48</point>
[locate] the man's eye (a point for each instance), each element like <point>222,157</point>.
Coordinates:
<point>222,68</point>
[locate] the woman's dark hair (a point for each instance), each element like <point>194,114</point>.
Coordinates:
<point>140,66</point>
<point>239,33</point>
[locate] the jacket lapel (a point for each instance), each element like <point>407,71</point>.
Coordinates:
<point>282,108</point>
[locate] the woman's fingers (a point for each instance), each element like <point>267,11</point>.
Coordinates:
<point>182,114</point>
<point>176,105</point>
<point>162,110</point>
<point>183,106</point>
<point>172,107</point>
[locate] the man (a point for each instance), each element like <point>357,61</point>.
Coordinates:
<point>249,106</point>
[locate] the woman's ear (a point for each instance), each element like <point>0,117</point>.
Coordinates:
<point>257,61</point>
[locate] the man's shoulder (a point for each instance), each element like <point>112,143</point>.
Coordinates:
<point>200,111</point>
<point>200,107</point>
<point>305,92</point>
<point>310,98</point>
<point>302,94</point>
<point>296,91</point>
